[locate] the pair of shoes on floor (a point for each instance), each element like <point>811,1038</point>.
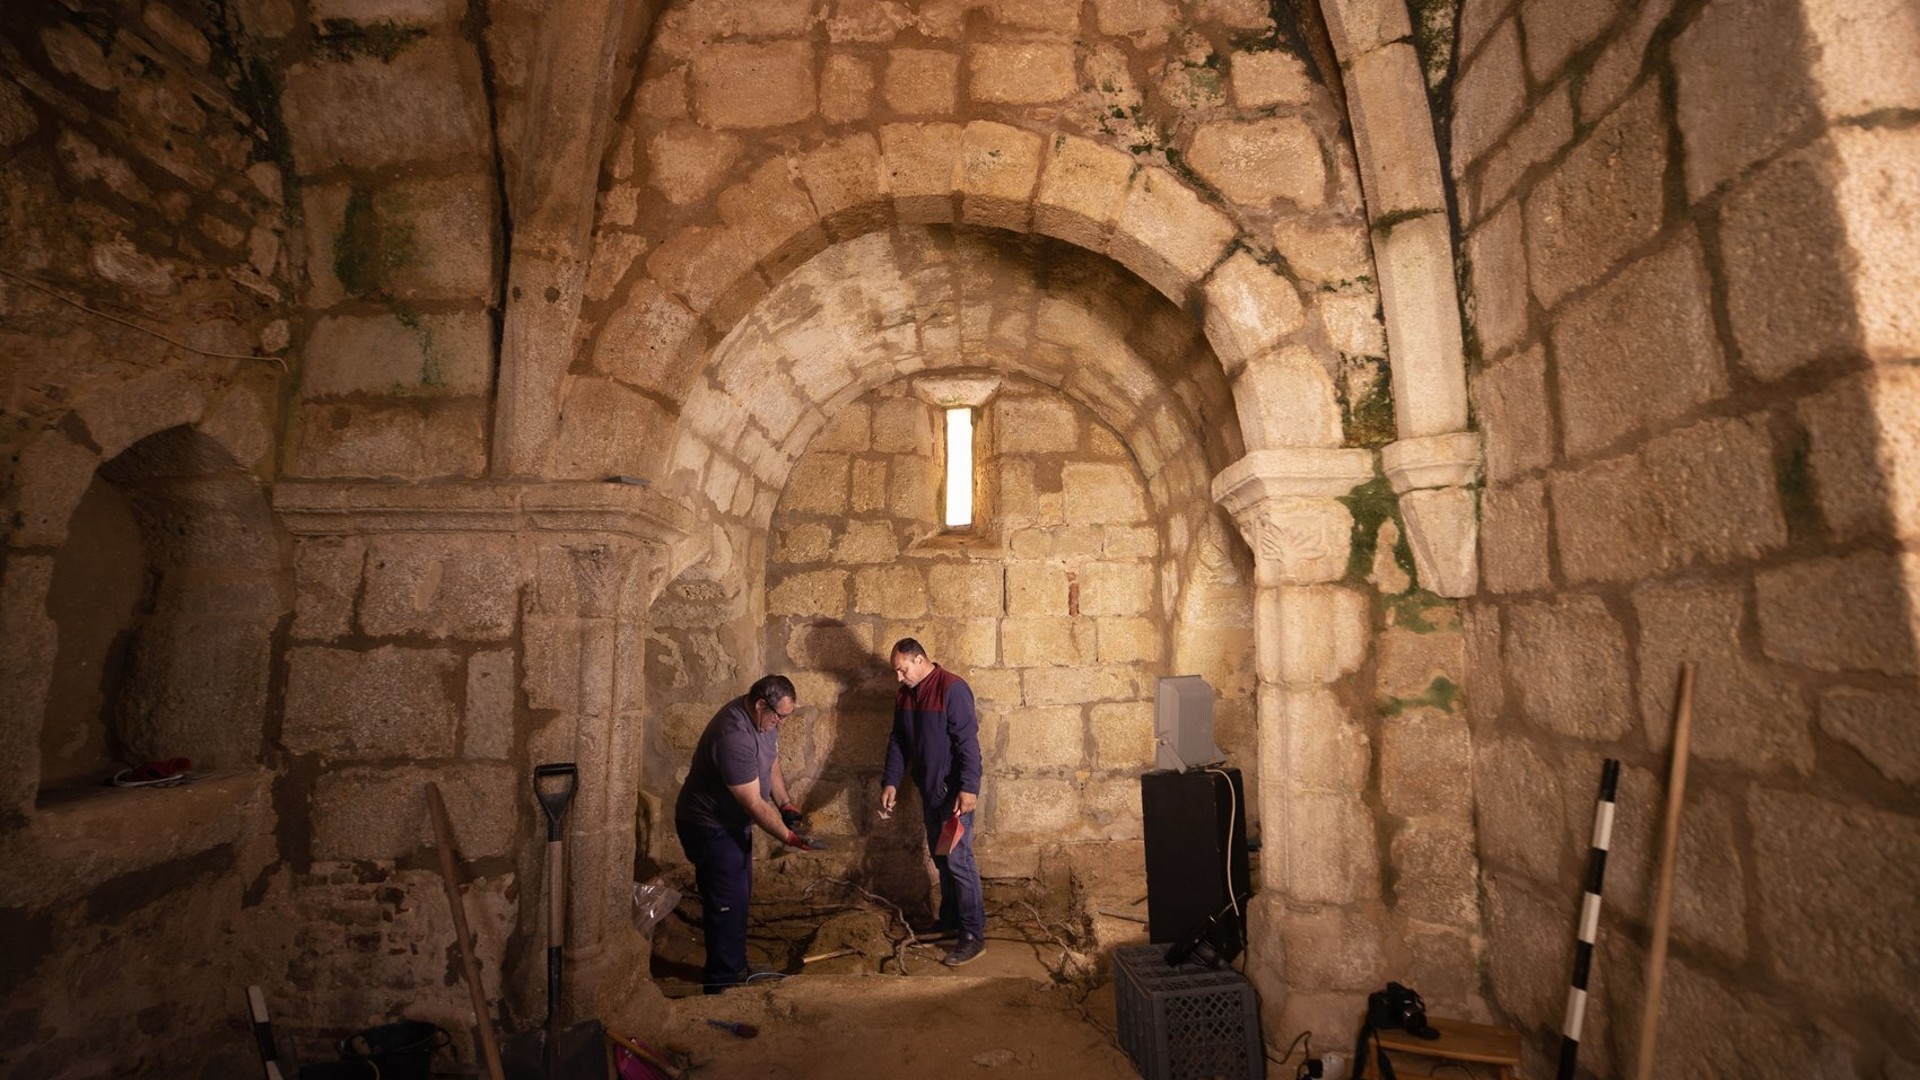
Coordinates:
<point>966,951</point>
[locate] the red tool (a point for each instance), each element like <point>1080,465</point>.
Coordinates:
<point>950,833</point>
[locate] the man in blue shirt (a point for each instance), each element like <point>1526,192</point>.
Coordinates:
<point>735,784</point>
<point>936,738</point>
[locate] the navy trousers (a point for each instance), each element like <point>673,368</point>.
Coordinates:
<point>723,874</point>
<point>962,903</point>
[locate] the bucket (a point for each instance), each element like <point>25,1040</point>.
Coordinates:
<point>402,1050</point>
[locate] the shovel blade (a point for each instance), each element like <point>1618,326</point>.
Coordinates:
<point>580,1053</point>
<point>950,834</point>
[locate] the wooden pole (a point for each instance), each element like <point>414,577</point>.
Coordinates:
<point>1663,896</point>
<point>449,877</point>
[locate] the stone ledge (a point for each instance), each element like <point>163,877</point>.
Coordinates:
<point>341,509</point>
<point>1291,473</point>
<point>1432,461</point>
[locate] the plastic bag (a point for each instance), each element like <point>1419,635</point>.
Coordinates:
<point>651,902</point>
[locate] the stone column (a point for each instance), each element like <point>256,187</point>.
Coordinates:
<point>1316,832</point>
<point>592,556</point>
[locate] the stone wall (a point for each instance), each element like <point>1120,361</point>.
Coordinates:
<point>1680,223</point>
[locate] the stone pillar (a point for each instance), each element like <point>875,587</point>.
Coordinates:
<point>1317,839</point>
<point>591,558</point>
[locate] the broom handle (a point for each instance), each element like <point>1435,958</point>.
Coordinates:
<point>443,844</point>
<point>1669,852</point>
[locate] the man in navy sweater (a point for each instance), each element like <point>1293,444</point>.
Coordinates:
<point>936,738</point>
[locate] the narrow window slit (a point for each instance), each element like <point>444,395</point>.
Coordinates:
<point>959,468</point>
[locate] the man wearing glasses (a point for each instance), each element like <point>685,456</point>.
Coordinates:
<point>735,784</point>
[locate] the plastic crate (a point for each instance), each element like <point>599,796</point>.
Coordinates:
<point>1188,1022</point>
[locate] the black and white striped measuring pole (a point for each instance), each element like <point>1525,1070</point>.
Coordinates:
<point>1589,919</point>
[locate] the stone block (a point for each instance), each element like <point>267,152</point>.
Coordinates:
<point>921,160</point>
<point>610,430</point>
<point>1046,642</point>
<point>441,586</point>
<point>1883,728</point>
<point>1330,949</point>
<point>1036,589</point>
<point>869,487</point>
<point>1498,261</point>
<point>1742,88</point>
<point>1254,162</point>
<point>1744,713</point>
<point>1286,398</point>
<point>1338,254</point>
<point>1702,494</point>
<point>1269,77</point>
<point>377,813</point>
<point>381,354</point>
<point>1436,874</point>
<point>1324,628</point>
<point>1327,749</point>
<point>921,82</point>
<point>866,542</point>
<point>1250,309</point>
<point>1640,350</point>
<point>1123,735</point>
<point>1167,235</point>
<point>903,426</point>
<point>1880,203</point>
<point>414,240</point>
<point>1358,27</point>
<point>999,166</point>
<point>1332,854</point>
<point>1036,425</point>
<point>1393,132</point>
<point>651,336</point>
<point>1426,763</point>
<point>1114,806</point>
<point>753,85</point>
<point>817,485</point>
<point>1045,807</point>
<point>1129,641</point>
<point>1840,614</point>
<point>1556,31</point>
<point>1548,128</point>
<point>1833,879</point>
<point>816,592</point>
<point>326,574</point>
<point>426,98</point>
<point>491,690</point>
<point>846,89</point>
<point>1487,96</point>
<point>1102,494</point>
<point>1485,674</point>
<point>1046,738</point>
<point>1075,685</point>
<point>1863,61</point>
<point>390,702</point>
<point>894,591</point>
<point>805,542</point>
<point>967,588</point>
<point>1510,399</point>
<point>1420,304</point>
<point>1116,589</point>
<point>773,218</point>
<point>1082,188</point>
<point>1020,73</point>
<point>398,442</point>
<point>1125,542</point>
<point>1530,950</point>
<point>711,269</point>
<point>1568,660</point>
<point>845,180</point>
<point>1605,199</point>
<point>1513,538</point>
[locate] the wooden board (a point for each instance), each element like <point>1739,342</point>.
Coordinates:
<point>1459,1041</point>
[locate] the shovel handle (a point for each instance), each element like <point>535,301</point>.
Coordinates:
<point>555,801</point>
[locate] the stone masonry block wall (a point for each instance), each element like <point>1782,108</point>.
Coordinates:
<point>1677,221</point>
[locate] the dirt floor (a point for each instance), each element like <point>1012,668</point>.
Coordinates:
<point>871,1003</point>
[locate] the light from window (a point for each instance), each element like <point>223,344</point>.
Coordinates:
<point>959,467</point>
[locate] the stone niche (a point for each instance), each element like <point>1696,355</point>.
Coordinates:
<point>164,599</point>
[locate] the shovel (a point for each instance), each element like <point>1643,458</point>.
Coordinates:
<point>950,834</point>
<point>580,1051</point>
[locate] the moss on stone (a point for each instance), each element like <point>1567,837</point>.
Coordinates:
<point>1442,693</point>
<point>1365,391</point>
<point>1370,504</point>
<point>370,246</point>
<point>1793,476</point>
<point>1410,610</point>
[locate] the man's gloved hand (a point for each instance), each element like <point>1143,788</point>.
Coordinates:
<point>791,815</point>
<point>803,843</point>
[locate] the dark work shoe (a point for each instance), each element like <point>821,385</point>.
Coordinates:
<point>965,951</point>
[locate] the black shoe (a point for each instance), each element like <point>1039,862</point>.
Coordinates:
<point>969,948</point>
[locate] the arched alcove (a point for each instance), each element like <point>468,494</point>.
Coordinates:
<point>164,602</point>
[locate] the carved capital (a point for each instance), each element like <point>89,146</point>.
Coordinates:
<point>1284,502</point>
<point>1432,461</point>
